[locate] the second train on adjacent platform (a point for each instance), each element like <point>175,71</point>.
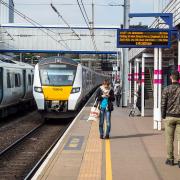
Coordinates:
<point>16,83</point>
<point>61,85</point>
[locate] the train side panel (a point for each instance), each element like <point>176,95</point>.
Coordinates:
<point>75,98</point>
<point>12,86</point>
<point>39,96</point>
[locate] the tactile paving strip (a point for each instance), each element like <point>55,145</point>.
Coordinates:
<point>92,160</point>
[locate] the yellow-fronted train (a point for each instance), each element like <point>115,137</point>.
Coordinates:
<point>61,85</point>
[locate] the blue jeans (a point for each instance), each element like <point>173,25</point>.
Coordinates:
<point>104,112</point>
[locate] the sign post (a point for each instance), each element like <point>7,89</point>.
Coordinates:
<point>149,38</point>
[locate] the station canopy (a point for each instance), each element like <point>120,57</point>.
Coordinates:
<point>81,40</point>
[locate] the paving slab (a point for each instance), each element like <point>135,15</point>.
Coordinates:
<point>136,151</point>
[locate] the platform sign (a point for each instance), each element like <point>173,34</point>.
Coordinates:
<point>146,38</point>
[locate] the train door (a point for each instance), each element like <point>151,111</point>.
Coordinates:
<point>30,83</point>
<point>84,80</point>
<point>24,83</point>
<point>1,84</point>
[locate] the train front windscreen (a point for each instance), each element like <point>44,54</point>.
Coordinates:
<point>57,75</point>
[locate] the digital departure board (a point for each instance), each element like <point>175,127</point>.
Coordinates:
<point>153,38</point>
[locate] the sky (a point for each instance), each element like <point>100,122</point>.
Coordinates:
<point>42,12</point>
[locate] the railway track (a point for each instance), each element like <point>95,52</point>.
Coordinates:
<point>11,146</point>
<point>25,143</point>
<point>20,159</point>
<point>13,131</point>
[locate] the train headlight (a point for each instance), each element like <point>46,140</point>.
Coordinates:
<point>75,90</point>
<point>38,89</point>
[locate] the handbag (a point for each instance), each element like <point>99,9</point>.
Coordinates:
<point>94,113</point>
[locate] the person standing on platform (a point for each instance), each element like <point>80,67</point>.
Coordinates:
<point>146,96</point>
<point>170,108</point>
<point>117,92</point>
<point>105,98</point>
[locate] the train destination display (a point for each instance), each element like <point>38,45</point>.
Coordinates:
<point>143,39</point>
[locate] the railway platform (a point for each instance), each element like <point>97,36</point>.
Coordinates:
<point>134,151</point>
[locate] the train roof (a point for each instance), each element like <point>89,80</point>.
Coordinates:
<point>57,59</point>
<point>6,61</point>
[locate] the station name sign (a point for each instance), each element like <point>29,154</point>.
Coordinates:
<point>148,38</point>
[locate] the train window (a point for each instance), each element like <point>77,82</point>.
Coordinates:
<point>8,80</point>
<point>32,79</point>
<point>29,80</point>
<point>17,80</point>
<point>1,83</point>
<point>19,75</point>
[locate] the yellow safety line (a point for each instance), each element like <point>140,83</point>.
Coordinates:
<point>108,161</point>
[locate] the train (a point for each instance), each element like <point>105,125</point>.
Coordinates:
<point>16,84</point>
<point>61,85</point>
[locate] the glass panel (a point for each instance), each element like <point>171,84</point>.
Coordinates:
<point>16,80</point>
<point>29,80</point>
<point>8,80</point>
<point>1,83</point>
<point>58,75</point>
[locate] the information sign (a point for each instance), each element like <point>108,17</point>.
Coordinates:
<point>149,38</point>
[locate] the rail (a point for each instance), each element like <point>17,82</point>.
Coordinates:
<point>14,144</point>
<point>39,163</point>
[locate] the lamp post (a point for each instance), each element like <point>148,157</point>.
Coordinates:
<point>125,84</point>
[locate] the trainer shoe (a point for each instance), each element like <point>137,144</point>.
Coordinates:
<point>106,137</point>
<point>170,162</point>
<point>101,137</point>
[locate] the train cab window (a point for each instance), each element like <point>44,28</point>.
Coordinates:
<point>58,74</point>
<point>8,80</point>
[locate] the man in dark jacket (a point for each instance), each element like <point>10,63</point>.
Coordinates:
<point>171,113</point>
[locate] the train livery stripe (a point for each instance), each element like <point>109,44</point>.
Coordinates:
<point>57,92</point>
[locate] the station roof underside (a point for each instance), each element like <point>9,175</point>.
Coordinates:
<point>57,39</point>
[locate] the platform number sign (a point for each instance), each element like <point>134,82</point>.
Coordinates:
<point>150,38</point>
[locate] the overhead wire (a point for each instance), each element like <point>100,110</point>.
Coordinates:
<point>86,19</point>
<point>87,23</point>
<point>34,23</point>
<point>60,16</point>
<point>61,4</point>
<point>85,11</point>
